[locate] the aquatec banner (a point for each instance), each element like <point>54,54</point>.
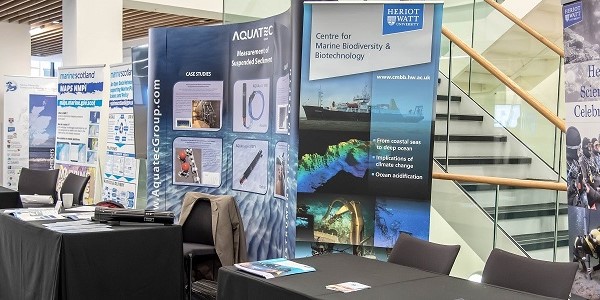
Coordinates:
<point>582,110</point>
<point>219,122</point>
<point>29,126</point>
<point>80,94</point>
<point>120,169</point>
<point>366,124</point>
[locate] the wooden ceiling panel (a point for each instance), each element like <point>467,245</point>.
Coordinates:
<point>47,16</point>
<point>35,11</point>
<point>17,9</point>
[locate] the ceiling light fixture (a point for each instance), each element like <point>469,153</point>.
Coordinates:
<point>36,30</point>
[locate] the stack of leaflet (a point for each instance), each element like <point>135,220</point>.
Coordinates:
<point>275,267</point>
<point>105,214</point>
<point>37,199</point>
<point>35,214</point>
<point>77,226</point>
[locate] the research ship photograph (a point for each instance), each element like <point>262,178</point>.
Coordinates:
<point>360,109</point>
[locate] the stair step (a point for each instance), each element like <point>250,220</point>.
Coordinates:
<point>479,187</point>
<point>527,211</point>
<point>459,117</point>
<point>452,98</point>
<point>485,160</point>
<point>542,240</point>
<point>471,138</point>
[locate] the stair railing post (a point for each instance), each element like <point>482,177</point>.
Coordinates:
<point>558,131</point>
<point>556,203</point>
<point>496,200</point>
<point>472,46</point>
<point>448,106</point>
<point>555,228</point>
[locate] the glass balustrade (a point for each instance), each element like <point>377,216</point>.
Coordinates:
<point>522,58</point>
<point>519,220</point>
<point>491,132</point>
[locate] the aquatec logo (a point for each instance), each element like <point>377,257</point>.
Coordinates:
<point>11,86</point>
<point>402,17</point>
<point>572,14</point>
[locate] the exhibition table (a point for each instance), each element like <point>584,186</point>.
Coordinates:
<point>9,198</point>
<point>132,261</point>
<point>387,281</point>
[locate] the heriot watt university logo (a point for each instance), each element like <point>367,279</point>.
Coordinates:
<point>402,17</point>
<point>391,20</point>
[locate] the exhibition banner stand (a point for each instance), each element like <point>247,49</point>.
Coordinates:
<point>582,110</point>
<point>80,94</point>
<point>366,124</point>
<point>29,130</point>
<point>120,170</point>
<point>219,122</point>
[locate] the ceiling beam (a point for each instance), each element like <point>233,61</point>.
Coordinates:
<point>9,4</point>
<point>55,20</point>
<point>34,12</point>
<point>135,24</point>
<point>44,18</point>
<point>24,6</point>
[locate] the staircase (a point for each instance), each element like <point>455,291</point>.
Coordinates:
<point>478,146</point>
<point>471,142</point>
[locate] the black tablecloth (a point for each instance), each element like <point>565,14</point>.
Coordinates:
<point>134,261</point>
<point>442,287</point>
<point>387,281</point>
<point>9,198</point>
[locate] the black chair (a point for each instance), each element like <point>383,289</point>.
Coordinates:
<point>197,236</point>
<point>38,182</point>
<point>551,279</point>
<point>75,184</point>
<point>413,252</point>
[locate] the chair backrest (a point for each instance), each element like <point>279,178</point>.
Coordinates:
<point>551,279</point>
<point>413,252</point>
<point>75,184</point>
<point>40,182</point>
<point>198,225</point>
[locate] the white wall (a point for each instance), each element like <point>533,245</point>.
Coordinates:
<point>15,59</point>
<point>92,35</point>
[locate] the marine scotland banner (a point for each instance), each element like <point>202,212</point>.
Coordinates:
<point>120,171</point>
<point>366,124</point>
<point>80,94</point>
<point>221,121</point>
<point>29,130</point>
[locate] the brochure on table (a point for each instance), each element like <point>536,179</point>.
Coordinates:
<point>272,268</point>
<point>366,123</point>
<point>220,122</point>
<point>80,94</point>
<point>29,126</point>
<point>347,287</point>
<point>120,170</point>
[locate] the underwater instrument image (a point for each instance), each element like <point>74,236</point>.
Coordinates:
<point>248,109</point>
<point>356,219</point>
<point>244,104</point>
<point>251,167</point>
